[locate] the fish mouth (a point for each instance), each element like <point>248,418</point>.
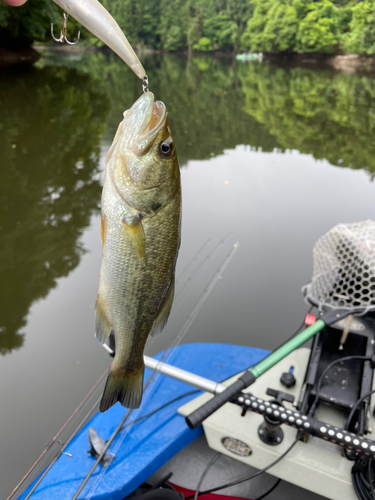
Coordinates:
<point>156,120</point>
<point>144,120</point>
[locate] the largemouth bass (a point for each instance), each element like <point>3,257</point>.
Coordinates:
<point>141,217</point>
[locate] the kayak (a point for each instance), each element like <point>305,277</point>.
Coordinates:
<point>156,443</point>
<point>249,57</point>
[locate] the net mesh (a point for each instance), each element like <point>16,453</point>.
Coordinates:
<point>344,268</point>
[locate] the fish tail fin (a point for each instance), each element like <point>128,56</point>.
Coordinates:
<point>127,389</point>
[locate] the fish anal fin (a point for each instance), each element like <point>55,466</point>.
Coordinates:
<point>123,387</point>
<point>137,237</point>
<point>102,325</point>
<point>163,315</point>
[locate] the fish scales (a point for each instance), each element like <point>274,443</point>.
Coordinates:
<point>141,214</point>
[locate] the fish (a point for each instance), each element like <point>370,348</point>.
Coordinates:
<point>141,233</point>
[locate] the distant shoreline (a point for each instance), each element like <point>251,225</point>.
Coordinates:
<point>349,63</point>
<point>343,62</point>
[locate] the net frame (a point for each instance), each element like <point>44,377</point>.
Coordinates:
<point>344,269</point>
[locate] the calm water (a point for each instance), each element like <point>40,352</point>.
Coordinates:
<point>271,158</point>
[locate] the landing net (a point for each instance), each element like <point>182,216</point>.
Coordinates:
<point>344,268</point>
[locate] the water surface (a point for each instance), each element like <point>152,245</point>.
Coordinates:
<point>271,158</point>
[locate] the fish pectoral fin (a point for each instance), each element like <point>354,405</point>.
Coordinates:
<point>103,229</point>
<point>163,315</point>
<point>103,327</point>
<point>137,237</point>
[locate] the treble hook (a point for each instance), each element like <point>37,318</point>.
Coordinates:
<point>63,32</point>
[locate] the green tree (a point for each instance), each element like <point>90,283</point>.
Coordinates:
<point>318,31</point>
<point>173,24</point>
<point>361,36</point>
<point>272,28</point>
<point>21,26</point>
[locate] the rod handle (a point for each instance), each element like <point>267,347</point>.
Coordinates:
<point>197,417</point>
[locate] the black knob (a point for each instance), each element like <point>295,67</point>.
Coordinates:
<point>280,396</point>
<point>288,380</point>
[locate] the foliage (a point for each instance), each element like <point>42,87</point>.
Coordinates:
<point>361,35</point>
<point>304,26</point>
<point>222,31</point>
<point>31,22</point>
<point>274,26</point>
<point>318,31</point>
<point>204,44</point>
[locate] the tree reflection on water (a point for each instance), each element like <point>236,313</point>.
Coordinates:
<point>216,104</point>
<point>52,119</point>
<point>51,123</point>
<point>328,114</point>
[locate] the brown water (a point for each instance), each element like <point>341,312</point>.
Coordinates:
<point>271,158</point>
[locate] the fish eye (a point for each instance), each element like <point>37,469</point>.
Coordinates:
<point>166,147</point>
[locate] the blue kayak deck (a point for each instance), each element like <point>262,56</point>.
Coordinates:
<point>143,447</point>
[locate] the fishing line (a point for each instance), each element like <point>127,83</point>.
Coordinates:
<point>205,472</point>
<point>208,290</point>
<point>54,439</point>
<point>279,480</point>
<point>101,455</point>
<point>204,261</point>
<point>247,478</point>
<point>161,407</point>
<point>200,303</point>
<point>119,428</point>
<point>290,338</point>
<point>320,381</point>
<point>370,478</point>
<point>108,444</point>
<point>356,406</point>
<point>270,490</point>
<point>138,420</point>
<point>99,477</point>
<point>51,464</point>
<point>191,261</point>
<point>166,354</point>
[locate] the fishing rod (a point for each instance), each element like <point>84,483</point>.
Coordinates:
<point>191,261</point>
<point>202,263</point>
<point>55,439</point>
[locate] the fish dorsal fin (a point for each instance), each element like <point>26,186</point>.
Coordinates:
<point>102,325</point>
<point>137,237</point>
<point>163,315</point>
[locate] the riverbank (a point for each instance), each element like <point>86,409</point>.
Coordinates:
<point>348,63</point>
<point>24,56</point>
